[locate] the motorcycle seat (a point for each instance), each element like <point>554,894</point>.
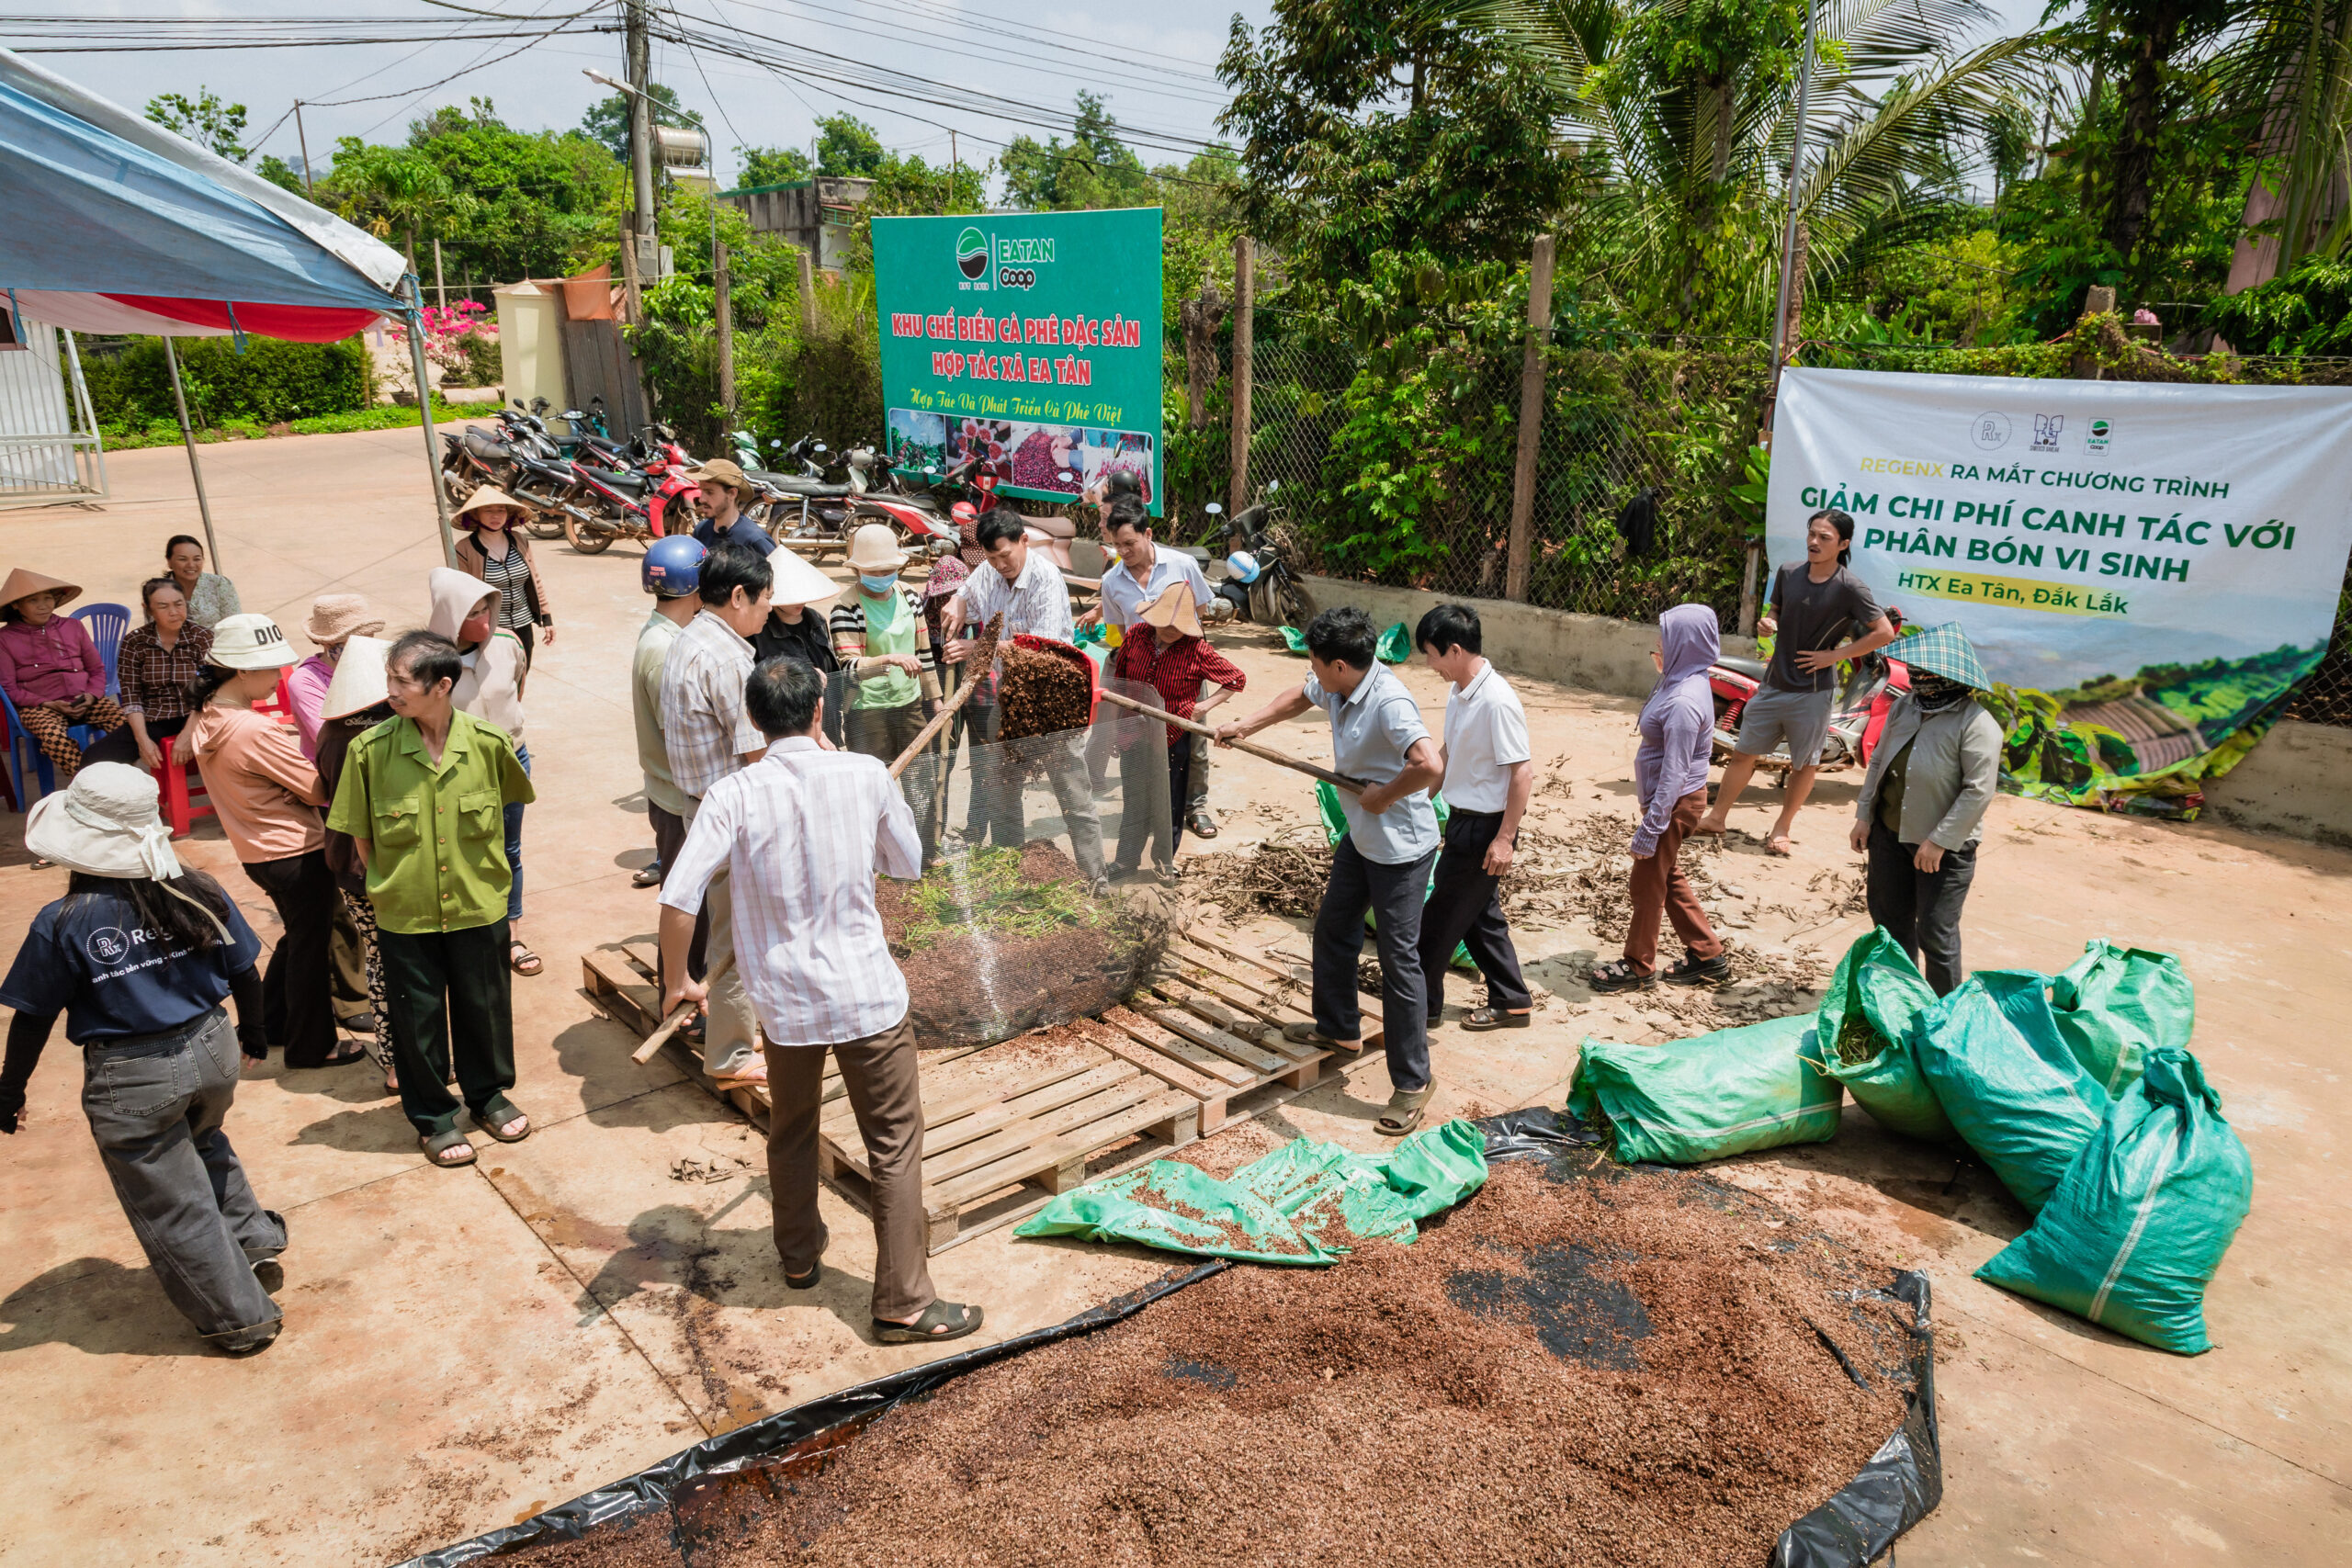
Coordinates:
<point>794,484</point>
<point>1053,526</point>
<point>1751,668</point>
<point>613,478</point>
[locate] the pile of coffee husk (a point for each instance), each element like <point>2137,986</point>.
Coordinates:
<point>1631,1368</point>
<point>1041,693</point>
<point>995,943</point>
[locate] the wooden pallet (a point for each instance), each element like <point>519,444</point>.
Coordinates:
<point>993,1154</point>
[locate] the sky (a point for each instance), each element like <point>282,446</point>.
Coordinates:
<point>977,68</point>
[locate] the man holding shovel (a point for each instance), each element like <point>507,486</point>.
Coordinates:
<point>800,834</point>
<point>1382,866</point>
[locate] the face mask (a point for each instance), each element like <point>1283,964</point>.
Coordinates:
<point>878,586</point>
<point>474,629</point>
<point>1934,692</point>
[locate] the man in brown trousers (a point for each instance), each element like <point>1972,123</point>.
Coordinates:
<point>801,834</point>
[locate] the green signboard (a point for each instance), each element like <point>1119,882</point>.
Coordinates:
<point>1028,339</point>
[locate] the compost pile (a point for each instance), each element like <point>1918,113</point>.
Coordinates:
<point>994,943</point>
<point>1631,1369</point>
<point>1043,693</point>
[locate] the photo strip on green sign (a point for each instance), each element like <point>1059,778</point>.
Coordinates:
<point>1024,348</point>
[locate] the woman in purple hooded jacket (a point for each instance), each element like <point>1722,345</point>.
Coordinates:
<point>1670,783</point>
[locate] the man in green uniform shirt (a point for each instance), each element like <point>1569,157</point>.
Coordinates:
<point>423,798</point>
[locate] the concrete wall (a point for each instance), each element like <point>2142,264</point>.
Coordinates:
<point>2299,781</point>
<point>1598,653</point>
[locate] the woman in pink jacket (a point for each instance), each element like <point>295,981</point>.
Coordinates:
<point>50,668</point>
<point>268,794</point>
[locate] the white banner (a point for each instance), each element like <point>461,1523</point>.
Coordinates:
<point>2150,567</point>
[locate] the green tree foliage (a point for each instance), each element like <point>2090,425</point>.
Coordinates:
<point>2307,312</point>
<point>394,191</point>
<point>606,121</point>
<point>773,165</point>
<point>908,187</point>
<point>1372,126</point>
<point>279,173</point>
<point>846,145</point>
<point>1093,171</point>
<point>205,120</point>
<point>269,381</point>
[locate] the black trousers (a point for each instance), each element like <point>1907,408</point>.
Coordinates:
<point>121,744</point>
<point>451,1000</point>
<point>1392,895</point>
<point>1464,908</point>
<point>297,1000</point>
<point>669,837</point>
<point>1921,908</point>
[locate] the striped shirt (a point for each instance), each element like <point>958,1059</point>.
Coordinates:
<point>511,575</point>
<point>801,834</point>
<point>1038,601</point>
<point>703,727</point>
<point>846,624</point>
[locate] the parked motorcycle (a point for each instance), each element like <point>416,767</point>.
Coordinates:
<point>1857,717</point>
<point>648,500</point>
<point>1261,582</point>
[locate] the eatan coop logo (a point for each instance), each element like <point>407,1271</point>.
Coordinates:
<point>1016,261</point>
<point>972,254</point>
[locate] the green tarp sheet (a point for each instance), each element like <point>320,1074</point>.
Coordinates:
<point>1302,1204</point>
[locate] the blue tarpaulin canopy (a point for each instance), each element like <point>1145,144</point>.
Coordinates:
<point>118,225</point>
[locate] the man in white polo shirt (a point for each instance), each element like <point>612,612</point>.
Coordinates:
<point>1490,773</point>
<point>1141,571</point>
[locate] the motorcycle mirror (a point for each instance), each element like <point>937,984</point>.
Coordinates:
<point>1214,510</point>
<point>1272,485</point>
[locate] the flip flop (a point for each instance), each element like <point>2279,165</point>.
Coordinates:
<point>522,960</point>
<point>1785,845</point>
<point>499,1112</point>
<point>1478,1019</point>
<point>939,1320</point>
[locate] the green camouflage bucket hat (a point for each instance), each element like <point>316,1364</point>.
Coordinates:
<point>1942,650</point>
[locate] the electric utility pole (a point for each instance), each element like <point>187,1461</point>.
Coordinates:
<point>304,138</point>
<point>640,138</point>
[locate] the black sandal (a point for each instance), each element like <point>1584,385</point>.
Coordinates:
<point>805,1281</point>
<point>342,1055</point>
<point>447,1144</point>
<point>1478,1019</point>
<point>1620,975</point>
<point>496,1114</point>
<point>939,1320</point>
<point>1695,971</point>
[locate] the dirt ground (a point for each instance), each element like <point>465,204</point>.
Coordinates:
<point>464,1348</point>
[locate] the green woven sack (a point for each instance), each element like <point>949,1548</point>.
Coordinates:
<point>1992,1053</point>
<point>1396,645</point>
<point>1876,995</point>
<point>2116,1004</point>
<point>1293,639</point>
<point>1334,828</point>
<point>1709,1097</point>
<point>2137,1229</point>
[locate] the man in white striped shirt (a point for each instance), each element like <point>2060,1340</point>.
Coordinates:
<point>801,834</point>
<point>1028,589</point>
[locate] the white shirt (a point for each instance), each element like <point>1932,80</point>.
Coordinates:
<point>703,727</point>
<point>1486,737</point>
<point>1038,601</point>
<point>801,834</point>
<point>1123,598</point>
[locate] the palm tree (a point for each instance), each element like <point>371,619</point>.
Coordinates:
<point>1694,163</point>
<point>391,188</point>
<point>2292,62</point>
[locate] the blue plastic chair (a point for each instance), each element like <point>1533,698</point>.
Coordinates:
<point>107,624</point>
<point>26,758</point>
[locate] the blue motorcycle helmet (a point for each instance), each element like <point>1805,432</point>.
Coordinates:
<point>1243,566</point>
<point>673,567</point>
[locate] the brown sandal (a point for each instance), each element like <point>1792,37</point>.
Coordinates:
<point>522,960</point>
<point>1406,1108</point>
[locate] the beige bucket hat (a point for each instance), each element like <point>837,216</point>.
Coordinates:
<point>875,547</point>
<point>337,616</point>
<point>106,823</point>
<point>250,642</point>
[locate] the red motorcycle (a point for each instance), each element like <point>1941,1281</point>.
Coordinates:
<point>648,502</point>
<point>1857,717</point>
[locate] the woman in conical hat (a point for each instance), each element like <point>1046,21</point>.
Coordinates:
<point>50,668</point>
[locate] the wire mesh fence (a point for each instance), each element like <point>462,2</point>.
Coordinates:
<point>1641,453</point>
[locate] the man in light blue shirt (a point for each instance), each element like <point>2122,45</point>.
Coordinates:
<point>1382,866</point>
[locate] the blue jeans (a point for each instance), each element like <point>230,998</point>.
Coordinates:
<point>515,841</point>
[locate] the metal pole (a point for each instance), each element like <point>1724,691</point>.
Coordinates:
<point>440,289</point>
<point>1789,230</point>
<point>424,410</point>
<point>303,137</point>
<point>187,434</point>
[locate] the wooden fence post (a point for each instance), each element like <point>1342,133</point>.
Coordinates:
<point>1530,420</point>
<point>1199,317</point>
<point>2099,300</point>
<point>633,287</point>
<point>724,306</point>
<point>808,297</point>
<point>1245,297</point>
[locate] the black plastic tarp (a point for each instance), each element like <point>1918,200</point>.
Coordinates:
<point>704,1486</point>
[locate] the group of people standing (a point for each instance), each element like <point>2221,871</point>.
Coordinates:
<point>373,792</point>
